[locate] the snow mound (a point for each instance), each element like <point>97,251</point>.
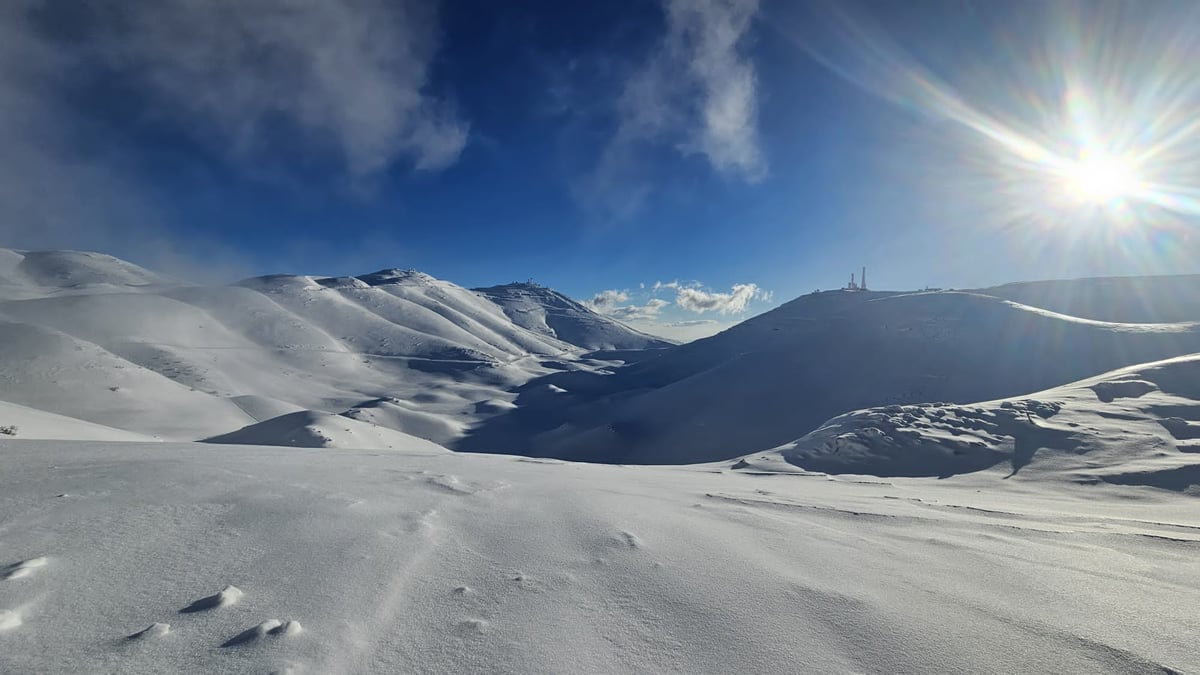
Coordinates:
<point>313,429</point>
<point>230,595</point>
<point>1137,425</point>
<point>546,311</point>
<point>409,418</point>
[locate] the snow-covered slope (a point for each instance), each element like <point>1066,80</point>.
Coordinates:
<point>18,421</point>
<point>309,429</point>
<point>1150,299</point>
<point>1137,425</point>
<point>49,370</point>
<point>119,558</point>
<point>98,339</point>
<point>777,376</point>
<point>548,312</point>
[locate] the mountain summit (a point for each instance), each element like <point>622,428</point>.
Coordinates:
<point>546,311</point>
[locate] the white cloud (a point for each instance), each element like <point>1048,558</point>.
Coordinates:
<point>647,312</point>
<point>351,76</point>
<point>733,302</point>
<point>690,296</point>
<point>609,303</point>
<point>706,34</point>
<point>605,302</point>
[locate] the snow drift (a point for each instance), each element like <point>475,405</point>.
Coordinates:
<point>1138,425</point>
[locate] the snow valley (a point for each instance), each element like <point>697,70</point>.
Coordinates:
<point>392,473</point>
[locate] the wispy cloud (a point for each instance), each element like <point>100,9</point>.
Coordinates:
<point>705,36</point>
<point>696,91</point>
<point>733,302</point>
<point>686,331</point>
<point>349,79</point>
<point>349,76</point>
<point>693,322</point>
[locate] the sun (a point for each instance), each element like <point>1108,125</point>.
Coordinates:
<point>1098,179</point>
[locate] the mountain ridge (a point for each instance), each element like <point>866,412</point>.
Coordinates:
<point>545,310</point>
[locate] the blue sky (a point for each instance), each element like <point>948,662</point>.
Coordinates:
<point>681,163</point>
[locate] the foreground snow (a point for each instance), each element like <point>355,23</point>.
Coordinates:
<point>260,559</point>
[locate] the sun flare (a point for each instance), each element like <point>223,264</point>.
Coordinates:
<point>1100,179</point>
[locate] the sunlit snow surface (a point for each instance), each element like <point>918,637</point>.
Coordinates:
<point>396,561</point>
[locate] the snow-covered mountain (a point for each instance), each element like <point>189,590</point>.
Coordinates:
<point>512,368</point>
<point>777,376</point>
<point>91,337</point>
<point>548,312</point>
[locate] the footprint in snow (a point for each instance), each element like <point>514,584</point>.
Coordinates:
<point>153,631</point>
<point>270,628</point>
<point>9,619</point>
<point>471,627</point>
<point>628,540</point>
<point>455,485</point>
<point>223,598</point>
<point>24,568</point>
